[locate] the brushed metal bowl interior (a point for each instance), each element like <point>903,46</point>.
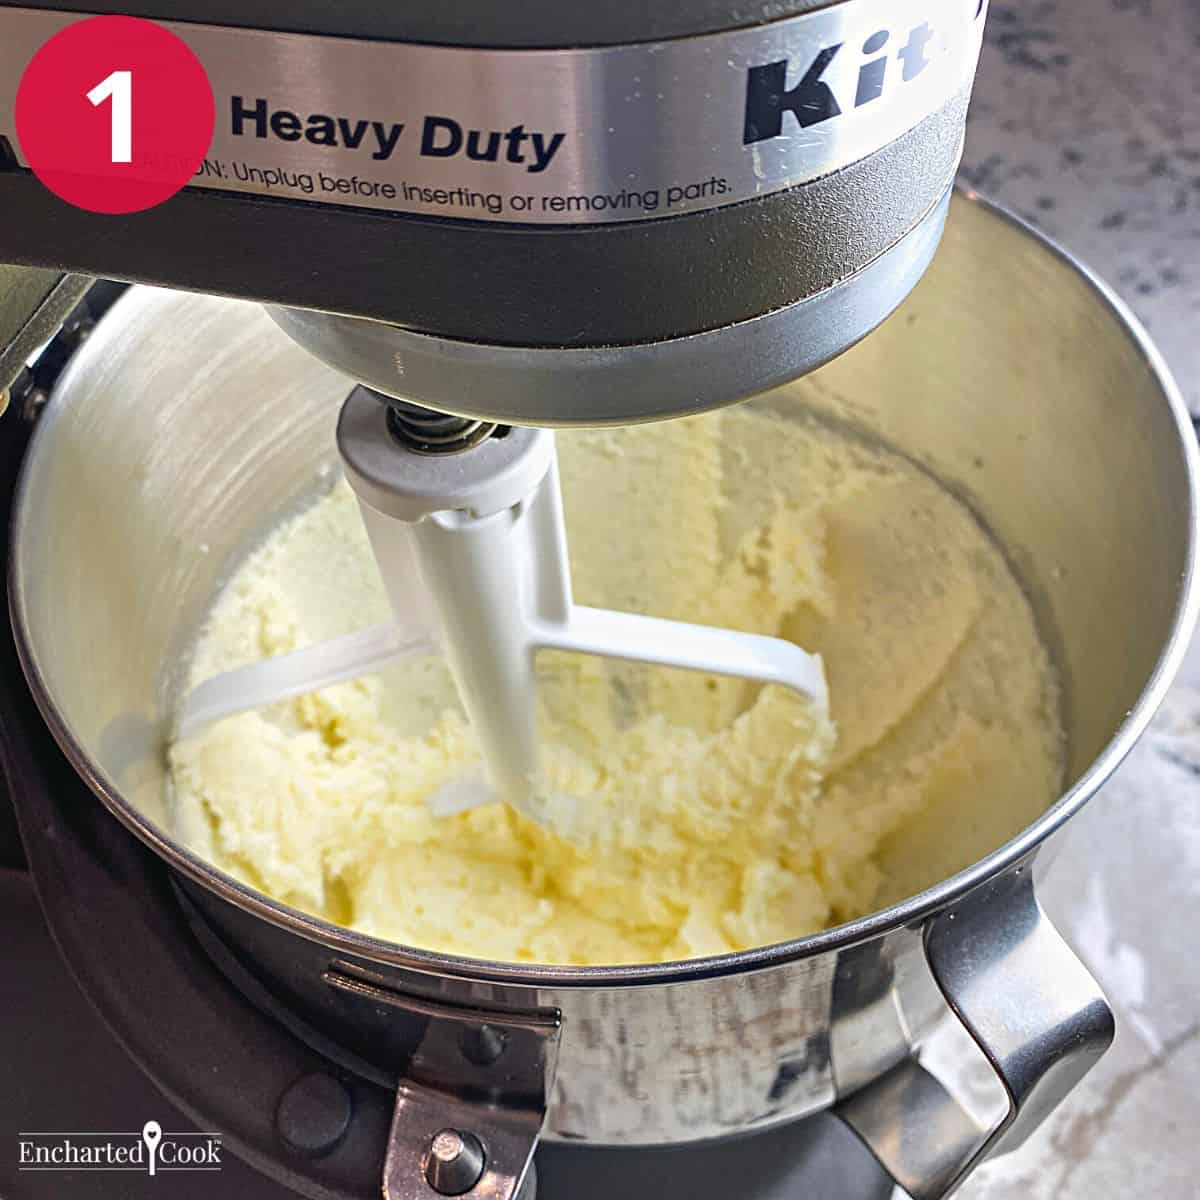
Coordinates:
<point>187,422</point>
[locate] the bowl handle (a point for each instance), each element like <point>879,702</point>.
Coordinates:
<point>1030,1005</point>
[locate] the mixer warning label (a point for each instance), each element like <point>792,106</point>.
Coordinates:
<point>579,136</point>
<point>346,189</point>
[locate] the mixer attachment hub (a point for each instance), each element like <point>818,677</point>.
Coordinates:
<point>427,431</point>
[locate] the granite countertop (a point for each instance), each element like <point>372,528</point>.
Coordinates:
<point>1086,121</point>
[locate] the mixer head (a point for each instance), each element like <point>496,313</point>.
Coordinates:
<point>566,214</point>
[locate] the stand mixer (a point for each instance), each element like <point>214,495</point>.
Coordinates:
<point>496,223</point>
<point>875,166</point>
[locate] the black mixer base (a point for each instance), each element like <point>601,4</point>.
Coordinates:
<point>65,1071</point>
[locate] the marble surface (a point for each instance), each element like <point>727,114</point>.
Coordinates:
<point>1087,122</point>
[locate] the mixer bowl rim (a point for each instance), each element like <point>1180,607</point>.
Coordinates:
<point>909,912</point>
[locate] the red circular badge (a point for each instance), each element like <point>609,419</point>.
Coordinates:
<point>114,114</point>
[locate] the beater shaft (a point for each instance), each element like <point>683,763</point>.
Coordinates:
<point>477,573</point>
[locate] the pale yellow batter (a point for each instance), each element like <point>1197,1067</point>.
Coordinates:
<point>716,815</point>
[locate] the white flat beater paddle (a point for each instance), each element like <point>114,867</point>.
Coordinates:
<point>472,550</point>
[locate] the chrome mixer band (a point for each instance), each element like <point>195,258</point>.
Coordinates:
<point>561,136</point>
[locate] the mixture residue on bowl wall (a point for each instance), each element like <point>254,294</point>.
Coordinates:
<point>716,816</point>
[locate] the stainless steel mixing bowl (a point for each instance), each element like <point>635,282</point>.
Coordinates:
<point>1010,373</point>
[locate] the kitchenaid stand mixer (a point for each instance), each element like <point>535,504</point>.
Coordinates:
<point>865,178</point>
<point>729,206</point>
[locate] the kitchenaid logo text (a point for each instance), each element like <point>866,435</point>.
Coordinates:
<point>439,137</point>
<point>151,1151</point>
<point>887,61</point>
